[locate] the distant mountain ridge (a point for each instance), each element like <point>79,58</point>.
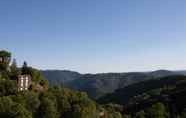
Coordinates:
<point>57,77</point>
<point>98,85</point>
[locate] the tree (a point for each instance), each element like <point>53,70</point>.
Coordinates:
<point>25,68</point>
<point>30,100</point>
<point>10,109</point>
<point>140,114</point>
<point>157,110</point>
<point>7,87</point>
<point>116,115</point>
<point>25,64</point>
<point>47,109</point>
<point>5,57</point>
<point>37,76</point>
<point>82,106</point>
<point>14,69</point>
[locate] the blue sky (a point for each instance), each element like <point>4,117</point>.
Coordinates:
<point>92,36</point>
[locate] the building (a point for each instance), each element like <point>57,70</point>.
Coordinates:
<point>23,82</point>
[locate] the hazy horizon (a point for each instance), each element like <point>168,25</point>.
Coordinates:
<point>95,36</point>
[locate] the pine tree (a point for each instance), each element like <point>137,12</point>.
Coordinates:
<point>14,69</point>
<point>25,68</point>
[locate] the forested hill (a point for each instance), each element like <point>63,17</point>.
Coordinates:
<point>163,97</point>
<point>97,85</point>
<point>155,86</point>
<point>39,100</point>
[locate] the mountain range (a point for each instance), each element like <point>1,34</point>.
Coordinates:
<point>99,85</point>
<point>154,87</point>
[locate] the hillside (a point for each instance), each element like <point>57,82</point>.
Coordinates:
<point>36,99</point>
<point>58,77</point>
<point>141,98</point>
<point>97,85</point>
<point>123,95</point>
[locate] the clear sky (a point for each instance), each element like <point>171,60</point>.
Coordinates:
<point>95,35</point>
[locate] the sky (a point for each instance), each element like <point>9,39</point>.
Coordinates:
<point>95,36</point>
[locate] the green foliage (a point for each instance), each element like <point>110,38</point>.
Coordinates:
<point>29,100</point>
<point>4,74</point>
<point>57,102</point>
<point>4,53</point>
<point>10,109</point>
<point>98,85</point>
<point>123,95</point>
<point>15,71</point>
<point>73,104</point>
<point>140,114</point>
<point>6,59</point>
<point>47,109</point>
<point>25,68</point>
<point>113,110</point>
<point>7,87</point>
<point>36,75</point>
<point>157,110</point>
<point>114,115</point>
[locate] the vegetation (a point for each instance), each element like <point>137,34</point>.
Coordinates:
<point>143,90</point>
<point>159,98</point>
<point>98,85</point>
<point>6,58</point>
<point>57,102</point>
<point>51,102</point>
<point>163,97</point>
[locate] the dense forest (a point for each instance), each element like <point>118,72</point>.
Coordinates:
<point>159,94</point>
<point>167,94</point>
